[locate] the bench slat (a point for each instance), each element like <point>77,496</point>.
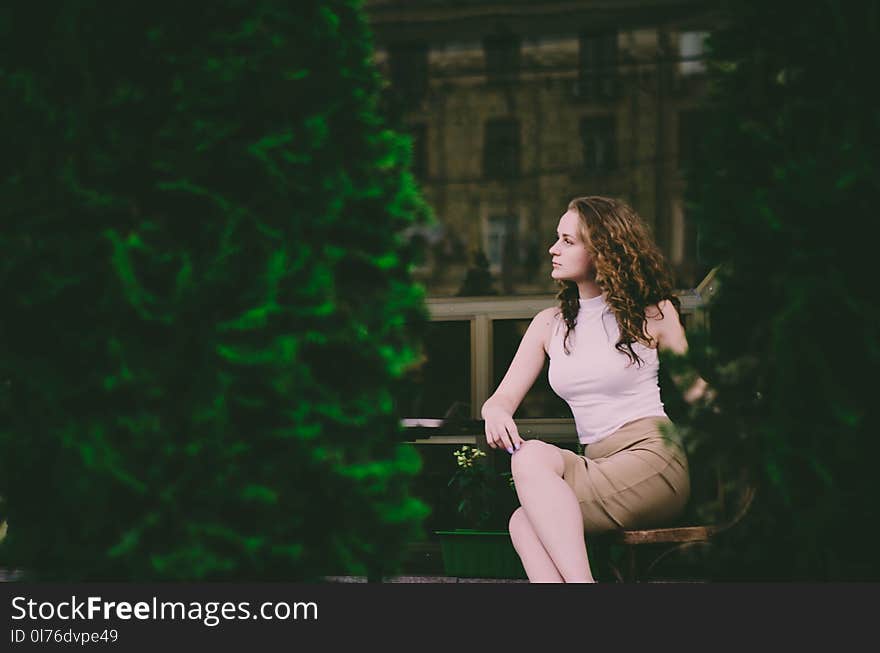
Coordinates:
<point>667,535</point>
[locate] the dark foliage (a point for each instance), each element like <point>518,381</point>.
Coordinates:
<point>783,193</point>
<point>205,295</point>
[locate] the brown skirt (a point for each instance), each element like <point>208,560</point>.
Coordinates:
<point>637,477</point>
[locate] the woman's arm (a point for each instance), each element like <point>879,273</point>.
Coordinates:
<point>524,369</point>
<point>670,336</point>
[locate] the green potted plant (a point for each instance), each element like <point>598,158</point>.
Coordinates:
<point>480,547</point>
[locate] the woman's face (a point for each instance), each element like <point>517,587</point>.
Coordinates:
<point>571,262</point>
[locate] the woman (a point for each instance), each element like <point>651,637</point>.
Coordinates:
<point>616,310</point>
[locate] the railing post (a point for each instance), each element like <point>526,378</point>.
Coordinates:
<point>481,362</point>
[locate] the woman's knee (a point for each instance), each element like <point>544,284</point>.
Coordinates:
<point>536,456</point>
<point>518,524</point>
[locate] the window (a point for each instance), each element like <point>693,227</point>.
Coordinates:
<point>501,148</point>
<point>501,240</point>
<point>408,64</point>
<point>599,142</point>
<point>691,128</point>
<point>597,71</point>
<point>441,385</point>
<point>691,51</point>
<point>420,153</point>
<point>541,400</point>
<point>502,53</point>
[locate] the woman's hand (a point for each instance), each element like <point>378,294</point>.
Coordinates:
<point>501,430</point>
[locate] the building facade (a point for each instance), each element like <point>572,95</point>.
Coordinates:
<point>516,107</point>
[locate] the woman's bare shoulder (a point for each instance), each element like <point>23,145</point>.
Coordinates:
<point>661,311</point>
<point>543,323</point>
<point>662,321</point>
<point>547,317</point>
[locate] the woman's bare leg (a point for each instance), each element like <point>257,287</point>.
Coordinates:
<point>552,508</point>
<point>537,563</point>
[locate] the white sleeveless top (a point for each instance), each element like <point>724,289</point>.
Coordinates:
<point>603,388</point>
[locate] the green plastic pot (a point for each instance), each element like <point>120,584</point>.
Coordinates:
<point>479,554</point>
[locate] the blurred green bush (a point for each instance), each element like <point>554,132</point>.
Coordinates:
<point>206,300</point>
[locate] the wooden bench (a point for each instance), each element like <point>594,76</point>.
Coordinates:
<point>644,549</point>
<point>636,566</point>
<point>669,540</point>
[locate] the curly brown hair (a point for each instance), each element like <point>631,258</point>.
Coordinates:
<point>630,269</point>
